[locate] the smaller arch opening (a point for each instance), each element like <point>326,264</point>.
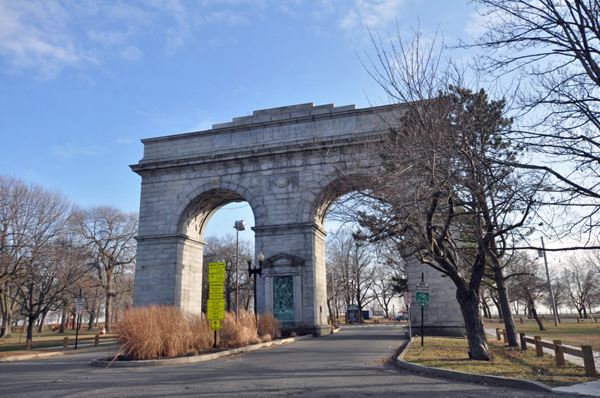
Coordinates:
<point>198,213</point>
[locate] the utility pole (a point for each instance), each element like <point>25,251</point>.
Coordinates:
<point>550,285</point>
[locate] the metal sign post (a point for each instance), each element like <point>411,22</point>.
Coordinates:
<point>79,304</point>
<point>407,301</point>
<point>422,297</point>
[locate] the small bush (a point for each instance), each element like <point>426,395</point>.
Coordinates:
<point>266,337</point>
<point>191,353</point>
<point>268,324</point>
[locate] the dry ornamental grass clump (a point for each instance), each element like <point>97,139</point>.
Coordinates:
<point>155,331</point>
<point>269,325</point>
<point>238,333</point>
<point>201,333</point>
<point>161,331</point>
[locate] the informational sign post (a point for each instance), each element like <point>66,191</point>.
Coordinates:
<point>79,304</point>
<point>215,306</point>
<point>422,297</point>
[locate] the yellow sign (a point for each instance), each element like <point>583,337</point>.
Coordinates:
<point>216,290</point>
<point>216,278</point>
<point>216,268</point>
<point>215,314</point>
<point>216,303</point>
<point>215,324</point>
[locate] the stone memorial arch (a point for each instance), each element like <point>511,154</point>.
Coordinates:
<point>285,163</point>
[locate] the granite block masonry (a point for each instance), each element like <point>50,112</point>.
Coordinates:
<point>287,163</point>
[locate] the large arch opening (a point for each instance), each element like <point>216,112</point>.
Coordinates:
<point>208,223</point>
<point>226,242</point>
<point>365,277</point>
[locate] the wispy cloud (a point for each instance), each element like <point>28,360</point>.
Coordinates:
<point>33,36</point>
<point>374,14</point>
<point>69,150</point>
<point>48,36</point>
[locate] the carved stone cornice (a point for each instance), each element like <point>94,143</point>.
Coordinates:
<point>254,156</point>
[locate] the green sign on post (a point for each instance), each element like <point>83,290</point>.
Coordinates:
<point>422,298</point>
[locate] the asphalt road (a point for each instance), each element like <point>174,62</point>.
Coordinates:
<point>348,364</point>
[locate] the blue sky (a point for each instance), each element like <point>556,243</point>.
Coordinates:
<point>82,82</point>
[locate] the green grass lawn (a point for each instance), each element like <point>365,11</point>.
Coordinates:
<point>451,353</point>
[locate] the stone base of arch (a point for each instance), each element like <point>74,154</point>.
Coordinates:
<point>294,257</point>
<point>169,271</point>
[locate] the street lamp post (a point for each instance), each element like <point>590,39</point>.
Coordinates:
<point>253,272</point>
<point>239,225</point>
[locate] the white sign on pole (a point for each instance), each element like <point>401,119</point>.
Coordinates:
<point>423,286</point>
<point>79,302</point>
<point>407,298</point>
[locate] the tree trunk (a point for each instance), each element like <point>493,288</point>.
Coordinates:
<point>30,323</point>
<point>109,304</point>
<point>6,330</point>
<point>486,309</point>
<point>536,317</point>
<point>469,306</point>
<point>498,308</point>
<point>509,323</point>
<point>64,318</point>
<point>331,314</point>
<point>91,321</point>
<point>42,322</point>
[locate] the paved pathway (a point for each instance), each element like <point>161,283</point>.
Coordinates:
<point>348,364</point>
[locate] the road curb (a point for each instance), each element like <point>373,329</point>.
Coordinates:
<point>194,359</point>
<point>470,377</point>
<point>14,358</point>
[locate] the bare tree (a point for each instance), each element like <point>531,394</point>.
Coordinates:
<point>444,189</point>
<point>222,249</point>
<point>527,284</point>
<point>30,218</point>
<point>552,49</point>
<point>582,283</point>
<point>109,233</point>
<point>351,261</point>
<point>53,271</point>
<point>389,276</point>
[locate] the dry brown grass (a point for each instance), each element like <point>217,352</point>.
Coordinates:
<point>268,324</point>
<point>238,333</point>
<point>449,353</point>
<point>154,332</point>
<point>201,333</point>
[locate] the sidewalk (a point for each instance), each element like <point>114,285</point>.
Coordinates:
<point>590,389</point>
<point>58,351</point>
